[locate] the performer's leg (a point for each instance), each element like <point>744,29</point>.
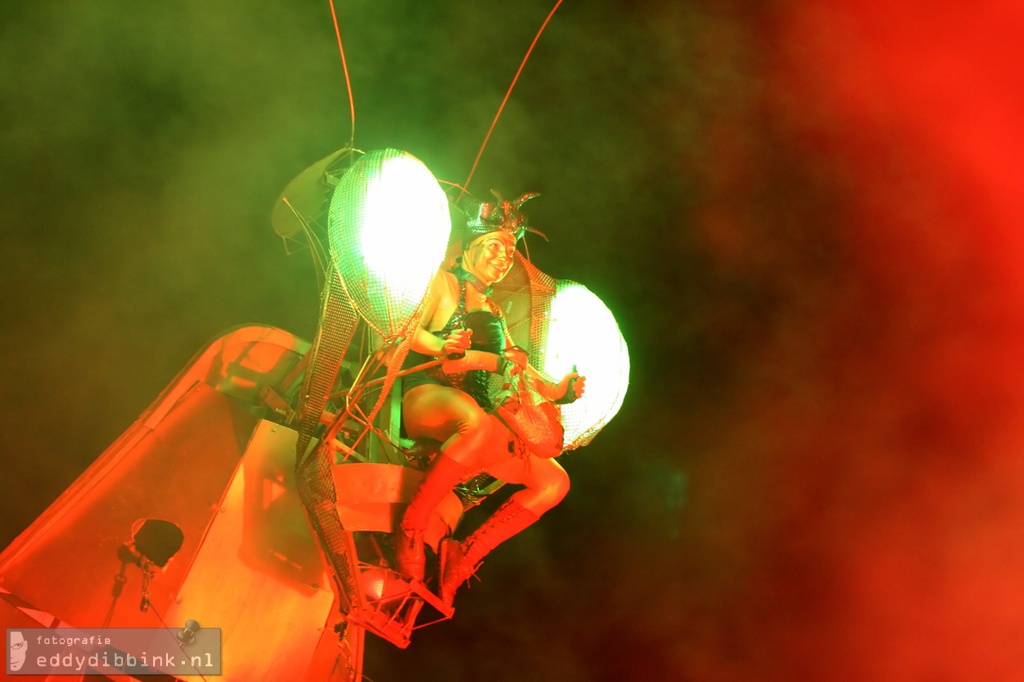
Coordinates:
<point>468,436</point>
<point>546,485</point>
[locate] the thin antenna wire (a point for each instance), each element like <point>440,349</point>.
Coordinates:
<point>348,81</point>
<point>507,95</point>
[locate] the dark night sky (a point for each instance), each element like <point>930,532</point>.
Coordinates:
<point>805,217</point>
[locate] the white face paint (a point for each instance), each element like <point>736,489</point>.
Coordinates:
<point>489,257</point>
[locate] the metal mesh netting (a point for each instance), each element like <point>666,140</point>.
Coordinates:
<point>529,415</point>
<point>337,326</point>
<point>388,227</point>
<point>338,322</point>
<point>541,290</point>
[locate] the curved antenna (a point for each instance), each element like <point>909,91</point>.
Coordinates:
<point>507,95</point>
<point>348,81</point>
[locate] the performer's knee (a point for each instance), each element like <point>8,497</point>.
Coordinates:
<point>550,481</point>
<point>559,486</point>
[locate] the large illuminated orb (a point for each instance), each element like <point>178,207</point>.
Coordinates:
<point>388,228</point>
<point>583,334</point>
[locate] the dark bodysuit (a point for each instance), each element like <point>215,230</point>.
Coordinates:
<point>488,329</point>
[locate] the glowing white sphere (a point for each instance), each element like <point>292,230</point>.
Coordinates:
<point>582,332</point>
<point>388,228</point>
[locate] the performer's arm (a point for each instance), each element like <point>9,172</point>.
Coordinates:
<point>425,342</point>
<point>474,359</point>
<point>567,390</point>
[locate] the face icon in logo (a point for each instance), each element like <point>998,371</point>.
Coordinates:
<point>19,649</point>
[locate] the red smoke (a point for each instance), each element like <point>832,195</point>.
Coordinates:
<point>903,482</point>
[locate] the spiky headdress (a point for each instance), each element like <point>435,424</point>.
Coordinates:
<point>503,216</point>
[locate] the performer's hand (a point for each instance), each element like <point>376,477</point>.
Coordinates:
<point>569,389</point>
<point>518,357</point>
<point>457,343</point>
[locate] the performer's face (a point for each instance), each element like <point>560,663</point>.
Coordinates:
<point>489,257</point>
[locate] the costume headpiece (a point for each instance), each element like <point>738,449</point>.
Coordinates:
<point>501,216</point>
